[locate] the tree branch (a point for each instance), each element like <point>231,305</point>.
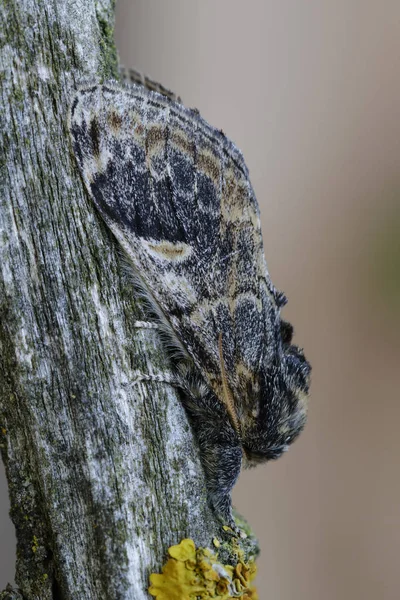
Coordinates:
<point>103,472</point>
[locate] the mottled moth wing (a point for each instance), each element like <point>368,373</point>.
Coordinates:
<point>176,194</point>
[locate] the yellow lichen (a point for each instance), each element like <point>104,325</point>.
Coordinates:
<point>35,544</point>
<point>192,573</point>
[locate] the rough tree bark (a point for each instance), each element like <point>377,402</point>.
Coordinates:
<point>103,474</point>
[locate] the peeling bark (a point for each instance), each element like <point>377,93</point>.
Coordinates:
<point>103,473</point>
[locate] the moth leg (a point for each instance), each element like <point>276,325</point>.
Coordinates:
<point>146,325</point>
<point>166,377</point>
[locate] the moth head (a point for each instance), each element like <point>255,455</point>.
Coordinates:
<point>282,401</point>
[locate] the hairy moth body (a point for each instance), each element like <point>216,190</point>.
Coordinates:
<point>177,196</point>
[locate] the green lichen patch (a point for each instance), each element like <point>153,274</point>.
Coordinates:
<point>197,573</point>
<point>109,55</point>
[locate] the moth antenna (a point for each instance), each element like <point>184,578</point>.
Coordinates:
<point>228,398</point>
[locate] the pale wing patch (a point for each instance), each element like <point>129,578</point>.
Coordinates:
<point>286,426</point>
<point>227,394</point>
<point>127,126</point>
<point>204,309</point>
<point>181,288</point>
<point>235,301</point>
<point>115,122</point>
<point>236,204</point>
<point>210,165</point>
<point>155,140</point>
<point>93,166</point>
<point>302,397</point>
<point>181,141</point>
<point>167,251</point>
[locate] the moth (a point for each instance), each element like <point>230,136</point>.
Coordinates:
<point>176,194</point>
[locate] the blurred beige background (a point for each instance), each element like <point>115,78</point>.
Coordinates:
<point>310,91</point>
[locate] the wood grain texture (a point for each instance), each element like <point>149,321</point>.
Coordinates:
<point>103,473</point>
